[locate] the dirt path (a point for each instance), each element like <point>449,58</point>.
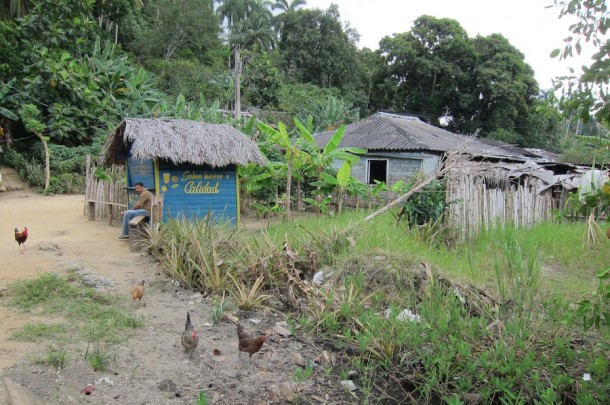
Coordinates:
<point>59,220</point>
<point>155,355</point>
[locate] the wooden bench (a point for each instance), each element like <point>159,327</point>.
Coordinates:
<point>111,207</point>
<point>137,231</point>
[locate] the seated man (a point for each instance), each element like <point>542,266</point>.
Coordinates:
<point>142,207</point>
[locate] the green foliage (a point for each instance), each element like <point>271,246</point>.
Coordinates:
<point>321,204</point>
<point>202,399</point>
<point>98,359</point>
<point>170,32</point>
<point>425,206</point>
<point>303,374</point>
<point>199,254</point>
<point>596,310</point>
<point>437,71</point>
<point>296,99</point>
<point>261,80</point>
<point>330,115</point>
<point>11,60</point>
<point>505,135</point>
<point>218,310</point>
<point>32,332</point>
<point>67,166</point>
<point>590,27</point>
<point>185,76</point>
<point>6,99</point>
<point>586,150</point>
<point>316,49</point>
<point>67,183</point>
<point>58,296</point>
<point>33,171</point>
<point>518,278</point>
<point>55,357</point>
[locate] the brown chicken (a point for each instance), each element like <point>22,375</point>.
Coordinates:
<point>247,343</point>
<point>137,291</point>
<point>21,237</point>
<point>189,336</point>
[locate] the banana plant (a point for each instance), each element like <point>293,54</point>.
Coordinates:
<point>252,178</point>
<point>282,139</point>
<point>340,183</point>
<point>323,158</point>
<point>5,98</point>
<point>321,204</point>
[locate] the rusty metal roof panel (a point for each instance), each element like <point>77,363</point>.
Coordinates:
<point>393,132</point>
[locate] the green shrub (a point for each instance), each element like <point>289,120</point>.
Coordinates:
<point>33,172</point>
<point>67,183</point>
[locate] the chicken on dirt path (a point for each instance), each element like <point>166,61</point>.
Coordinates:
<point>21,237</point>
<point>189,337</point>
<point>247,343</point>
<point>137,291</point>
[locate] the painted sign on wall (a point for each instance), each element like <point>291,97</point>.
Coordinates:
<point>196,191</point>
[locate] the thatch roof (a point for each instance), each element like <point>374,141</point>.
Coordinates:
<point>181,141</point>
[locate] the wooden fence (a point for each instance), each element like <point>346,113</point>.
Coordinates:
<point>476,206</point>
<point>104,199</point>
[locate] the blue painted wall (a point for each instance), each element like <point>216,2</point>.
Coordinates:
<point>139,171</point>
<point>195,191</point>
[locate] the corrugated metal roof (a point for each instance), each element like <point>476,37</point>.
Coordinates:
<point>393,132</point>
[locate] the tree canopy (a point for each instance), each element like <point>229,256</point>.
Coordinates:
<point>87,64</point>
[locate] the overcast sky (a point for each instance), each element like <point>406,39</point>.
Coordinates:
<point>528,25</point>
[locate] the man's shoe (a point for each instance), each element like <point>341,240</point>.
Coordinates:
<point>124,237</point>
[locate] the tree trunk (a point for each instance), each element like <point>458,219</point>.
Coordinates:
<point>299,201</point>
<point>288,186</point>
<point>47,162</point>
<point>6,130</point>
<point>445,166</point>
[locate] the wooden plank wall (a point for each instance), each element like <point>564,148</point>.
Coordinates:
<point>477,207</point>
<point>105,191</point>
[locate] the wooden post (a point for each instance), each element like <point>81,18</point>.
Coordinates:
<point>111,211</point>
<point>237,83</point>
<point>91,211</point>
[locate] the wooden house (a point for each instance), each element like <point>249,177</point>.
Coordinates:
<point>192,164</point>
<point>498,183</point>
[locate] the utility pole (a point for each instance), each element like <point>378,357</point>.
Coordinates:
<point>237,83</point>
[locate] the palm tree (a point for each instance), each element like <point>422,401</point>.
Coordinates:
<point>254,31</point>
<point>233,11</point>
<point>285,6</point>
<point>260,7</point>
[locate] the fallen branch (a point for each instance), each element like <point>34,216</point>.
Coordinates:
<point>449,163</point>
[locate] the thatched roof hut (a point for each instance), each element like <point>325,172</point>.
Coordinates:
<point>181,141</point>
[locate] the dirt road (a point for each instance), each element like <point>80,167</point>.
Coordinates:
<point>55,220</point>
<point>144,365</point>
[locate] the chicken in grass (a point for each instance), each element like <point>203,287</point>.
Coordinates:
<point>189,337</point>
<point>247,343</point>
<point>137,291</point>
<point>21,237</point>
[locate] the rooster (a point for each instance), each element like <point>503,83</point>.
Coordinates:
<point>189,337</point>
<point>247,343</point>
<point>21,237</point>
<point>137,291</point>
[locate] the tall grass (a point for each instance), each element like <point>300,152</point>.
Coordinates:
<point>518,349</point>
<point>489,320</point>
